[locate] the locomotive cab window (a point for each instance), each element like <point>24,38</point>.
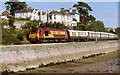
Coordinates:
<point>33,31</point>
<point>46,33</point>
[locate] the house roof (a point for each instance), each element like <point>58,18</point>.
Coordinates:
<point>73,13</point>
<point>43,13</point>
<point>25,10</point>
<point>55,12</point>
<point>61,12</point>
<point>5,13</point>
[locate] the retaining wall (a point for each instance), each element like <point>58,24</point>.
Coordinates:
<point>20,57</point>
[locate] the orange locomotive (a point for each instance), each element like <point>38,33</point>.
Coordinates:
<point>39,34</point>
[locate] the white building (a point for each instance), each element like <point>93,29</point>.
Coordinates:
<point>62,17</point>
<point>110,29</point>
<point>4,17</point>
<point>74,14</point>
<point>27,13</point>
<point>43,16</point>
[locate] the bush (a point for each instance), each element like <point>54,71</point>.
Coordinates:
<point>55,25</point>
<point>8,39</point>
<point>80,27</point>
<point>31,24</point>
<point>11,21</point>
<point>23,19</point>
<point>4,22</point>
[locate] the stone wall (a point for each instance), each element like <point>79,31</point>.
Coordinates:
<point>21,57</point>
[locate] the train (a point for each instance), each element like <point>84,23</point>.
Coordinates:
<point>39,34</point>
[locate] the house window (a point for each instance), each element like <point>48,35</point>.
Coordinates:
<point>50,16</point>
<point>54,16</point>
<point>34,17</point>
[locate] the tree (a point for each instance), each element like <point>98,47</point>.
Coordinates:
<point>13,5</point>
<point>97,26</point>
<point>11,21</point>
<point>4,22</point>
<point>81,27</point>
<point>31,24</point>
<point>83,9</point>
<point>117,31</point>
<point>90,18</point>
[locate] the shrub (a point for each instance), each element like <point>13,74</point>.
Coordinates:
<point>7,38</point>
<point>11,21</point>
<point>23,19</point>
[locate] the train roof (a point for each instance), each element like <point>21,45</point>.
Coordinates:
<point>91,32</point>
<point>48,28</point>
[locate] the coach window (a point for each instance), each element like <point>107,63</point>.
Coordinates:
<point>73,33</point>
<point>46,33</point>
<point>78,33</point>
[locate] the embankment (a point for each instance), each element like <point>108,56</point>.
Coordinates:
<point>21,57</point>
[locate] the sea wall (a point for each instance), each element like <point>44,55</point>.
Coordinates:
<point>21,57</point>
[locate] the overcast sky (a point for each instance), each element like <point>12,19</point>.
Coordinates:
<point>103,11</point>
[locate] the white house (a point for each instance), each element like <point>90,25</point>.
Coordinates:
<point>43,16</point>
<point>60,16</point>
<point>4,17</point>
<point>27,13</point>
<point>74,14</point>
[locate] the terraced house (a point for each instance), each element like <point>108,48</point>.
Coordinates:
<point>43,16</point>
<point>30,13</point>
<point>62,17</point>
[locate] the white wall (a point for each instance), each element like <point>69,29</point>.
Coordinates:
<point>4,17</point>
<point>43,18</point>
<point>76,16</point>
<point>32,15</point>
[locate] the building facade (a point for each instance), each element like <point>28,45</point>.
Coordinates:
<point>61,17</point>
<point>30,13</point>
<point>43,16</point>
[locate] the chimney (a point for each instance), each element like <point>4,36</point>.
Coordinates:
<point>48,11</point>
<point>59,9</point>
<point>30,8</point>
<point>70,9</point>
<point>41,12</point>
<point>35,9</point>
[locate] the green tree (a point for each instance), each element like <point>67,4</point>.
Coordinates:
<point>4,22</point>
<point>97,26</point>
<point>90,18</point>
<point>81,27</point>
<point>83,9</point>
<point>11,21</point>
<point>31,24</point>
<point>56,25</point>
<point>117,30</point>
<point>13,5</point>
